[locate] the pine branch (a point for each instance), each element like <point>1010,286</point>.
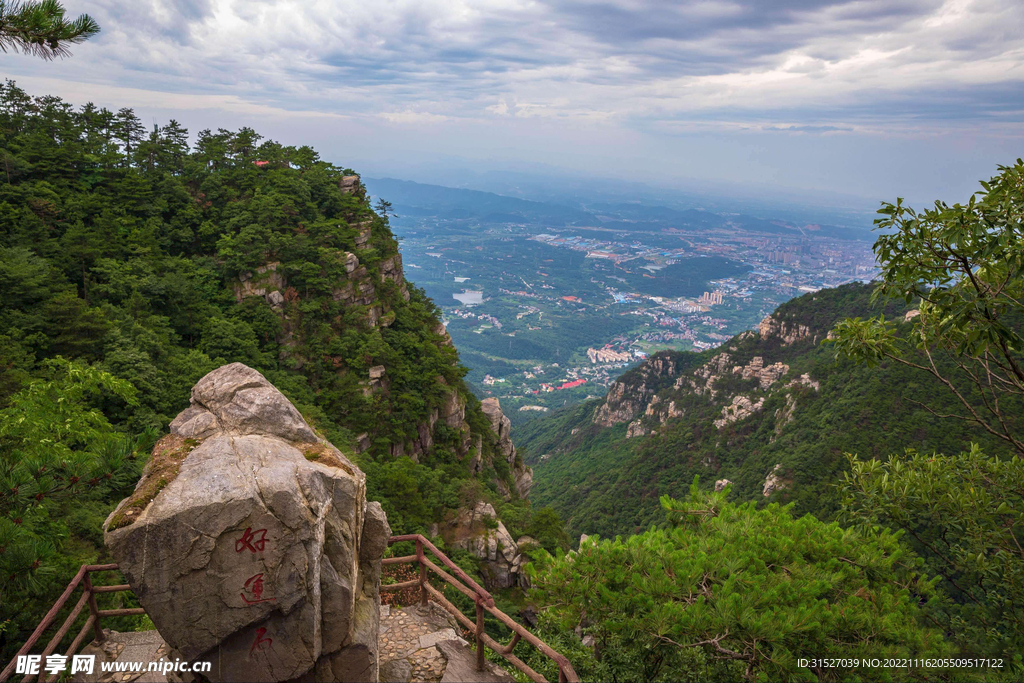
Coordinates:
<point>39,28</point>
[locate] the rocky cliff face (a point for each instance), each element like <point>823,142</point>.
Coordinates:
<point>727,415</point>
<point>366,291</point>
<point>522,476</point>
<point>250,542</point>
<point>786,332</point>
<point>479,531</point>
<point>628,396</point>
<point>337,319</point>
<point>711,382</point>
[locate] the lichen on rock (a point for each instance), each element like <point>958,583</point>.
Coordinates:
<point>260,554</point>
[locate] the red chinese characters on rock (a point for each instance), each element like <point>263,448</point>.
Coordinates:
<point>261,642</point>
<point>254,588</point>
<point>253,541</point>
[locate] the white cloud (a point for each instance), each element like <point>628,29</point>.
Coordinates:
<point>412,117</point>
<point>496,73</point>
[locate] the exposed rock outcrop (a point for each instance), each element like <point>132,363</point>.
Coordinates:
<point>740,408</point>
<point>266,282</point>
<point>391,270</point>
<point>721,484</point>
<point>522,475</point>
<point>765,375</point>
<point>628,396</point>
<point>485,537</point>
<point>704,377</point>
<point>636,428</point>
<point>805,380</point>
<point>249,540</point>
<point>773,482</point>
<point>788,332</point>
<point>350,184</point>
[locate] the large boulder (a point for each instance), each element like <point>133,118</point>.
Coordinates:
<point>250,543</point>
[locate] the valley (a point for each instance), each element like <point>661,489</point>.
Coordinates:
<point>512,342</point>
<point>548,305</point>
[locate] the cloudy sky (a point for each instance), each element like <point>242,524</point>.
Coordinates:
<point>869,97</point>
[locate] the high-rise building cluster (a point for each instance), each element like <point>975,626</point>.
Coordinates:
<point>710,298</point>
<point>607,356</point>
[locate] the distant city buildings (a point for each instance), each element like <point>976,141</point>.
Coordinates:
<point>608,356</point>
<point>710,298</point>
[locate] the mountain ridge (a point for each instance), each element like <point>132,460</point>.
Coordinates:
<point>773,412</point>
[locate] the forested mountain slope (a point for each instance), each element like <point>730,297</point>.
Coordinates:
<point>127,251</point>
<point>772,412</point>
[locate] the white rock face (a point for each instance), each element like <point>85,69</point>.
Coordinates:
<point>773,482</point>
<point>625,401</point>
<point>766,375</point>
<point>250,543</point>
<point>721,484</point>
<point>785,331</point>
<point>740,408</point>
<point>805,380</point>
<point>636,428</point>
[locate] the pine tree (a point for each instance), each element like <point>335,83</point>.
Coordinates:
<point>39,27</point>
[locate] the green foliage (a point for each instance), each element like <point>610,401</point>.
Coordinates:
<point>601,482</point>
<point>730,591</point>
<point>53,444</point>
<point>146,263</point>
<point>38,27</point>
<point>965,263</point>
<point>965,515</point>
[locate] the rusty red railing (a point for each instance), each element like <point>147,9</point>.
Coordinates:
<point>483,601</point>
<point>88,599</point>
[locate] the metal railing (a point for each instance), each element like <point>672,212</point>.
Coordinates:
<point>483,601</point>
<point>89,592</point>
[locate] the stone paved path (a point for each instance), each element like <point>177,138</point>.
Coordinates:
<point>139,646</point>
<point>408,634</point>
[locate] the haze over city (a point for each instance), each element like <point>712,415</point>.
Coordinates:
<point>865,99</point>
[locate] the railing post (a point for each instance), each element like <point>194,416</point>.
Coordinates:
<point>96,627</point>
<point>423,573</point>
<point>479,635</point>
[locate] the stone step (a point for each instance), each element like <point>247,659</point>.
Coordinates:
<point>461,665</point>
<point>422,645</point>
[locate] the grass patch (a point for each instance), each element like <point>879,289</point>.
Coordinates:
<point>326,455</point>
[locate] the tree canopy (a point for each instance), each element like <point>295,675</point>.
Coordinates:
<point>965,264</point>
<point>965,515</point>
<point>728,591</point>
